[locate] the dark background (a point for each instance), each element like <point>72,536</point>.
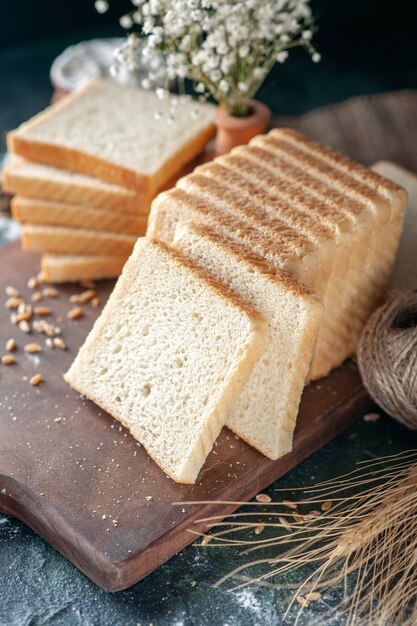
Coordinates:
<point>367,46</point>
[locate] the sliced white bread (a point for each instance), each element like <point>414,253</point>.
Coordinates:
<point>61,240</point>
<point>265,412</point>
<point>43,182</point>
<point>170,352</point>
<point>382,199</point>
<point>112,132</point>
<point>64,268</point>
<point>262,168</point>
<point>54,213</point>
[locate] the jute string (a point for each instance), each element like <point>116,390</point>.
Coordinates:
<point>387,357</point>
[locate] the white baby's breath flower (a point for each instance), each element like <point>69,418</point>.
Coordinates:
<point>160,92</point>
<point>226,48</point>
<point>126,21</point>
<point>316,57</point>
<point>101,6</point>
<point>146,83</point>
<point>282,56</point>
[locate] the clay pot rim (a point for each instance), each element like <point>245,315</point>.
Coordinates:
<point>259,112</point>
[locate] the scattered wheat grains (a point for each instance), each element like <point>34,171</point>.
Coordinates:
<point>313,596</point>
<point>33,283</point>
<point>95,302</point>
<point>13,302</point>
<point>50,292</point>
<point>206,540</point>
<point>259,528</point>
<point>12,291</point>
<point>290,504</point>
<point>24,326</point>
<point>298,518</point>
<point>371,417</point>
<point>302,601</point>
<point>57,420</point>
<point>8,359</point>
<point>36,380</point>
<point>326,506</point>
<point>42,311</point>
<point>32,348</point>
<point>284,522</point>
<point>11,345</point>
<point>36,296</point>
<point>75,313</point>
<point>59,343</point>
<point>149,498</point>
<point>263,497</point>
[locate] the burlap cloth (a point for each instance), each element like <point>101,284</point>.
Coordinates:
<point>367,128</point>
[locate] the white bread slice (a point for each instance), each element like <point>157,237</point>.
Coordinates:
<point>43,182</point>
<point>383,200</point>
<point>74,268</point>
<point>61,240</point>
<point>53,213</point>
<point>171,350</point>
<point>265,412</point>
<point>110,131</point>
<point>404,273</point>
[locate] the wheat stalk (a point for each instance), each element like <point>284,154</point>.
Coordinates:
<point>365,539</point>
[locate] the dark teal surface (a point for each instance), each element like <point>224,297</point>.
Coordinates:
<point>38,587</point>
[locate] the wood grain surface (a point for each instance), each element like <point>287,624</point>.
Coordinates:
<point>70,472</point>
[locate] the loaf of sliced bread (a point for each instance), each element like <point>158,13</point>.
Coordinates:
<point>381,201</point>
<point>265,413</point>
<point>64,268</point>
<point>112,132</point>
<point>263,168</point>
<point>169,354</point>
<point>54,213</point>
<point>43,182</point>
<point>61,240</point>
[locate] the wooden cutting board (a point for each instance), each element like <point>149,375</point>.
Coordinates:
<point>77,478</point>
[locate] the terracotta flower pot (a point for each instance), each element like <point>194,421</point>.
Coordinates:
<point>234,131</point>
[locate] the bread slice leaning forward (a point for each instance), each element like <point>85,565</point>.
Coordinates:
<point>265,413</point>
<point>170,352</point>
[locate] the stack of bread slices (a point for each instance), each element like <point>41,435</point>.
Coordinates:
<point>87,169</point>
<point>258,273</point>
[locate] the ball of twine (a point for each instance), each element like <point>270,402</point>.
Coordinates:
<point>387,357</point>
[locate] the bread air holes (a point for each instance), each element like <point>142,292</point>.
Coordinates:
<point>146,390</point>
<point>145,331</point>
<point>197,316</point>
